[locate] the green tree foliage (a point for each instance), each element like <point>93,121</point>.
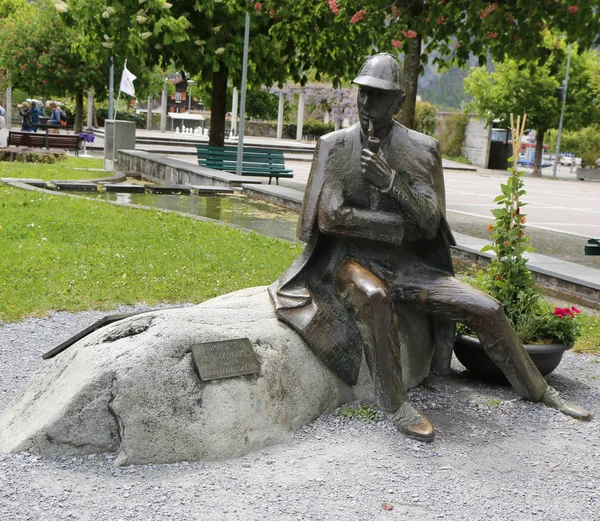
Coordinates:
<point>54,49</point>
<point>206,40</point>
<point>584,143</point>
<point>334,36</point>
<point>522,86</point>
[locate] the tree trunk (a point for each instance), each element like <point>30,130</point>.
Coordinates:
<point>539,149</point>
<point>412,61</point>
<point>78,112</point>
<point>219,107</point>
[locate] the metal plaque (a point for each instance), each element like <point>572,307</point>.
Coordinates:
<point>225,358</point>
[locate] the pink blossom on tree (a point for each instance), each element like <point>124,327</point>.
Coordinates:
<point>358,16</point>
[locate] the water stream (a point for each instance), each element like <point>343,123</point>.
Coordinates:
<point>255,215</point>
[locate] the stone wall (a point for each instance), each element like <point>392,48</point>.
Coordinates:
<point>476,145</point>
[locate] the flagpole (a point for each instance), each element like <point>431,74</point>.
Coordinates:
<point>119,94</point>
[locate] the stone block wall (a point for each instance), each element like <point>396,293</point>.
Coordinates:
<point>476,146</point>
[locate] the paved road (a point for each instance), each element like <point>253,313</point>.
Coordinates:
<point>556,205</point>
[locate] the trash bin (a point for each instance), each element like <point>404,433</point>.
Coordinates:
<point>500,149</point>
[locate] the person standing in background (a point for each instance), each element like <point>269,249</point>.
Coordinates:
<point>25,113</point>
<point>35,115</point>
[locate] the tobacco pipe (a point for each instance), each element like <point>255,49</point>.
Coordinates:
<point>373,142</point>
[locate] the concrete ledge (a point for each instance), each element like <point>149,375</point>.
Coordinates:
<point>563,278</point>
<point>588,173</point>
<point>75,186</point>
<point>208,190</point>
<point>279,195</point>
<point>124,188</point>
<point>167,170</point>
<point>38,183</point>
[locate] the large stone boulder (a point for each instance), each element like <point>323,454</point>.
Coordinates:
<point>132,388</point>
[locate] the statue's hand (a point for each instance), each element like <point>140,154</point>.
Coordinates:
<point>375,169</point>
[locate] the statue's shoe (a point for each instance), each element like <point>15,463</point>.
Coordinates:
<point>412,423</point>
<point>552,399</point>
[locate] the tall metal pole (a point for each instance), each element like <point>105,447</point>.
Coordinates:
<point>238,167</point>
<point>562,113</point>
<point>90,108</point>
<point>111,87</point>
<point>234,112</point>
<point>163,107</point>
<point>8,108</point>
<point>119,94</point>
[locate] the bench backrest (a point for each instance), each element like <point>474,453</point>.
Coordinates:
<point>32,139</point>
<point>25,139</point>
<point>227,153</point>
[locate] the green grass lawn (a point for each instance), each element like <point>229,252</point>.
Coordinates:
<point>64,253</point>
<point>60,170</point>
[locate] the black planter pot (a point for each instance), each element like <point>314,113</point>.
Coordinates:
<point>469,352</point>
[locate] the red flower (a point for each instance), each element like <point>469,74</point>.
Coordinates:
<point>358,16</point>
<point>410,34</point>
<point>441,20</point>
<point>506,243</point>
<point>397,44</point>
<point>573,9</point>
<point>258,6</point>
<point>333,6</point>
<point>492,34</point>
<point>395,11</point>
<point>488,10</point>
<point>272,13</point>
<point>565,312</point>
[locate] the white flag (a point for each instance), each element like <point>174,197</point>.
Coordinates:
<point>127,82</point>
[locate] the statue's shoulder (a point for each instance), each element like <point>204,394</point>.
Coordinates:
<point>339,137</point>
<point>416,139</point>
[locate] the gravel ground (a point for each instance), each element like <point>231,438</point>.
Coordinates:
<point>496,457</point>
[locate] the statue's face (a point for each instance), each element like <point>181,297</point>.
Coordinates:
<point>379,106</point>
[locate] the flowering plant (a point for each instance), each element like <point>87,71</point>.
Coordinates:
<point>508,279</point>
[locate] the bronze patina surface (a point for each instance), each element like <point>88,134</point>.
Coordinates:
<point>373,218</point>
<point>225,358</point>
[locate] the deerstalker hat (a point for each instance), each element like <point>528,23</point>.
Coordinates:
<point>381,71</point>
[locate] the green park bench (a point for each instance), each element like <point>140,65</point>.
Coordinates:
<point>32,139</point>
<point>256,162</point>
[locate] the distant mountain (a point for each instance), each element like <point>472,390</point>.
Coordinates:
<point>444,89</point>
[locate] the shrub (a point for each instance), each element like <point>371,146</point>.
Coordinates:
<point>311,127</point>
<point>425,118</point>
<point>451,135</point>
<point>138,119</point>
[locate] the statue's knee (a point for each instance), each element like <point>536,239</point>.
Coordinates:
<point>490,309</point>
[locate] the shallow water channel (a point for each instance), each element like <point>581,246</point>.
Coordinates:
<point>255,215</point>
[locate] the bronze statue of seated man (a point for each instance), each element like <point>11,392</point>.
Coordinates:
<point>374,221</point>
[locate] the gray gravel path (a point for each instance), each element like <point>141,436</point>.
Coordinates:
<point>496,457</point>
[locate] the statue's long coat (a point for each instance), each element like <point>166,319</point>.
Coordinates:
<point>303,296</point>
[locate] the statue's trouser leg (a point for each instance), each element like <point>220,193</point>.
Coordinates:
<point>457,300</point>
<point>367,296</point>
